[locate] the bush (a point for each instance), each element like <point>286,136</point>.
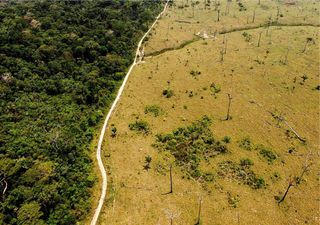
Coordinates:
<point>226,139</point>
<point>266,153</point>
<point>246,144</point>
<point>154,110</point>
<point>168,93</point>
<point>140,126</point>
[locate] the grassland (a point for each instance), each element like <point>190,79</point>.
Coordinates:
<point>273,84</point>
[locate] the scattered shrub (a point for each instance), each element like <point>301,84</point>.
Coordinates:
<point>266,153</point>
<point>168,93</point>
<point>113,132</point>
<point>233,200</point>
<point>148,160</point>
<point>215,88</point>
<point>246,144</point>
<point>240,173</point>
<point>226,139</point>
<point>140,126</point>
<point>154,110</point>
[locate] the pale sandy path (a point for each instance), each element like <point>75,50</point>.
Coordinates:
<point>114,104</point>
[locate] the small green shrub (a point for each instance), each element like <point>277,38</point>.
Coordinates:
<point>226,139</point>
<point>140,126</point>
<point>168,93</point>
<point>266,153</point>
<point>215,88</point>
<point>113,132</point>
<point>154,110</point>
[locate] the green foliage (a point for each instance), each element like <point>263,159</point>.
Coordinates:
<point>241,173</point>
<point>226,139</point>
<point>168,93</point>
<point>60,65</point>
<point>154,110</point>
<point>190,144</point>
<point>140,126</point>
<point>266,153</point>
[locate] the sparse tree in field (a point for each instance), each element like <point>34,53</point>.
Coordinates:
<point>296,180</point>
<point>218,15</point>
<point>171,183</point>
<point>278,13</point>
<point>229,105</point>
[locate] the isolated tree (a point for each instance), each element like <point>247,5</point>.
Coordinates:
<point>218,15</point>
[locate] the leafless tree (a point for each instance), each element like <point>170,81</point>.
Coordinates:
<point>229,104</point>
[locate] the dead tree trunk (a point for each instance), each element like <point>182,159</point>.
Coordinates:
<point>171,189</point>
<point>285,194</point>
<point>229,104</point>
<point>199,212</point>
<point>218,15</point>
<point>254,16</point>
<point>259,39</point>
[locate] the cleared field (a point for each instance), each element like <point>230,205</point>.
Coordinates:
<point>273,83</point>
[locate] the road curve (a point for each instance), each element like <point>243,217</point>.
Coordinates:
<point>98,155</point>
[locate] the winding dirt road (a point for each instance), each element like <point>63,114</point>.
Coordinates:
<point>98,155</point>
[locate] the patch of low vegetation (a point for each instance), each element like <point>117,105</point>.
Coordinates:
<point>241,172</point>
<point>155,110</point>
<point>247,36</point>
<point>140,126</point>
<point>168,93</point>
<point>246,143</point>
<point>191,144</point>
<point>215,88</point>
<point>266,153</point>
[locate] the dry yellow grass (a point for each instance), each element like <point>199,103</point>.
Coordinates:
<point>259,83</point>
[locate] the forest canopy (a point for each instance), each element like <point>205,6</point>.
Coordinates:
<point>60,65</point>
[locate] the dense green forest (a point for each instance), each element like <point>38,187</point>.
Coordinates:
<point>60,65</point>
